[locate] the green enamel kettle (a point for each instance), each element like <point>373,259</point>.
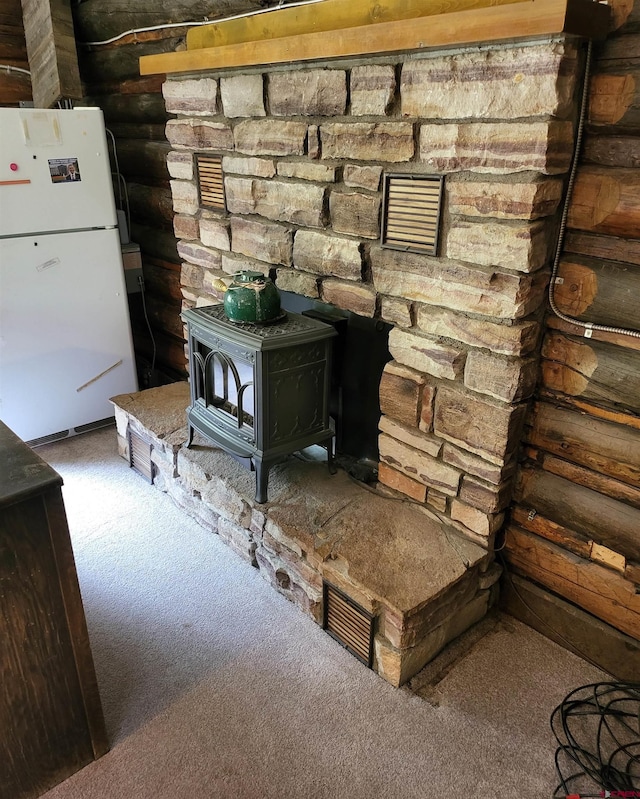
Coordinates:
<point>252,297</point>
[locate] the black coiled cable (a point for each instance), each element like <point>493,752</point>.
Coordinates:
<point>597,727</point>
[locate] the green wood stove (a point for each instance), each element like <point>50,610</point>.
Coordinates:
<point>259,391</point>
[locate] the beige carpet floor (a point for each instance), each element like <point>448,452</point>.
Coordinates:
<point>213,685</point>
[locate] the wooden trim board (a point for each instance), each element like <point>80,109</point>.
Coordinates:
<point>571,627</point>
<point>326,15</point>
<point>495,23</point>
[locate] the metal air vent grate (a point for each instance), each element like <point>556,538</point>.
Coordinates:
<point>349,623</point>
<point>210,181</point>
<point>411,217</point>
<point>140,455</point>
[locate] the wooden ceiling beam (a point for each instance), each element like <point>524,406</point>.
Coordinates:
<point>327,15</point>
<point>470,25</point>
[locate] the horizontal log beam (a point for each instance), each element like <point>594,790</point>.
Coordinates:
<point>590,479</point>
<point>590,586</point>
<point>496,23</point>
<point>597,517</point>
<point>598,246</point>
<point>606,201</point>
<point>102,19</point>
<point>594,290</point>
<point>592,370</point>
<point>601,445</point>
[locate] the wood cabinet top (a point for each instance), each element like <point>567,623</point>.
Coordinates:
<point>22,472</point>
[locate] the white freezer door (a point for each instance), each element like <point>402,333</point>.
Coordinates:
<point>39,149</point>
<point>65,337</point>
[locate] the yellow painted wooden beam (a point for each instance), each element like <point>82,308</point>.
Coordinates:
<point>490,24</point>
<point>327,15</point>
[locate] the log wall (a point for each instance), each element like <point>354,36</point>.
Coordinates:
<point>575,523</point>
<point>14,86</point>
<point>135,113</point>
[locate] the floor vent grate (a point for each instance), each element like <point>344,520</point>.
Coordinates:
<point>411,217</point>
<point>349,623</point>
<point>210,181</point>
<point>140,455</point>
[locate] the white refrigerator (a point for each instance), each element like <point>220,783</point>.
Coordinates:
<point>65,333</point>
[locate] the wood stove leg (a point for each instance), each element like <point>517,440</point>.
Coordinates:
<point>262,479</point>
<point>190,430</point>
<point>331,451</point>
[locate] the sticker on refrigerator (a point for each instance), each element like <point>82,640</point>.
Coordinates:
<point>48,264</point>
<point>64,170</point>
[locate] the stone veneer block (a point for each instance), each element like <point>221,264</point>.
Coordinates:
<point>352,297</point>
<point>497,148</point>
<point>516,339</point>
<point>467,462</point>
<point>506,379</point>
<point>199,134</point>
<point>305,170</point>
<point>193,96</point>
<point>210,285</point>
<point>368,141</point>
<point>313,142</point>
<point>185,197</point>
<point>399,665</point>
<point>487,498</point>
<point>239,539</point>
<point>401,393</point>
<point>484,524</point>
<point>477,425</point>
<point>396,311</point>
<point>199,255</point>
<point>456,286</point>
<point>242,96</point>
<point>401,482</point>
<point>523,248</point>
<point>504,200</point>
<point>411,437</point>
<point>492,83</point>
<point>298,282</point>
<point>357,214</point>
<point>299,204</point>
<point>185,227</point>
<point>180,165</point>
<point>233,263</point>
<point>214,232</point>
<point>372,89</point>
<point>419,466</point>
<point>191,275</point>
<point>426,409</point>
<point>270,137</point>
<point>328,255</point>
<point>309,92</point>
<point>362,177</point>
<point>160,413</point>
<point>425,355</point>
<point>262,240</point>
<point>239,165</point>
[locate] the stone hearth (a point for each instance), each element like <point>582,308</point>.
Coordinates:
<point>423,581</point>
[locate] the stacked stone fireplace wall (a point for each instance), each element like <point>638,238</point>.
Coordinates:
<point>304,149</point>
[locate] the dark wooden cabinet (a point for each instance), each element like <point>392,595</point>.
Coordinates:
<point>51,722</point>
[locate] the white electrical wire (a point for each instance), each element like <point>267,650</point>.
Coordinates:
<point>10,68</point>
<point>194,24</point>
<point>588,327</point>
